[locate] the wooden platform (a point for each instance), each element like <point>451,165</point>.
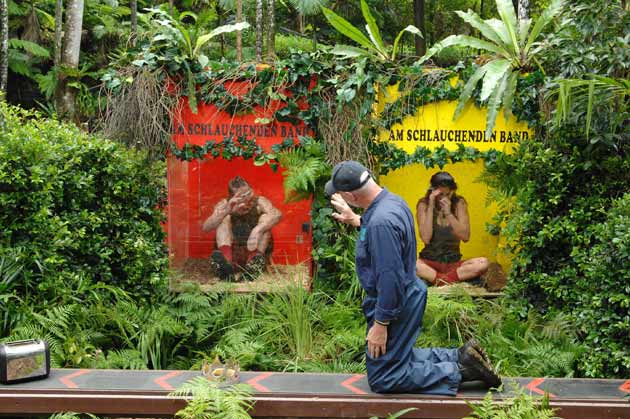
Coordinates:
<point>286,395</point>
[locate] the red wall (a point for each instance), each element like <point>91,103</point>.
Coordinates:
<point>195,187</point>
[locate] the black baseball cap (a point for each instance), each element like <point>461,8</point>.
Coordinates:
<point>347,176</point>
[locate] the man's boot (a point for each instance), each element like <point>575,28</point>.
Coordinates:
<point>472,343</point>
<point>254,267</point>
<point>221,266</point>
<point>473,367</point>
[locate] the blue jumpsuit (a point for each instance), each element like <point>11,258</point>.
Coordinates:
<point>386,266</point>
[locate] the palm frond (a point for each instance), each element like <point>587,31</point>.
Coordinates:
<point>308,7</point>
<point>547,15</point>
<point>468,89</point>
<point>30,47</point>
<point>495,71</point>
<point>474,20</point>
<point>510,21</point>
<point>494,103</point>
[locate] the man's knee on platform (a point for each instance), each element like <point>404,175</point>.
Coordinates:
<point>381,388</point>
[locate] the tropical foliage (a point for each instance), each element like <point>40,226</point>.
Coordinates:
<point>522,406</point>
<point>77,210</point>
<point>81,215</point>
<point>371,46</point>
<point>513,48</point>
<point>579,98</point>
<point>564,196</point>
<point>208,400</point>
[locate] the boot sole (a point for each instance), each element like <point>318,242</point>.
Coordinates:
<point>483,368</point>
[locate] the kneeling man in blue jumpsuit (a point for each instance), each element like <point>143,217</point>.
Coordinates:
<point>396,298</point>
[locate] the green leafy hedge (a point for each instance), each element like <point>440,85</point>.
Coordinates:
<point>568,229</point>
<point>78,209</point>
<point>604,300</point>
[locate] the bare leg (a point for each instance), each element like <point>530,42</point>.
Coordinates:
<point>221,259</point>
<point>224,233</point>
<point>425,272</point>
<point>472,268</point>
<point>263,242</point>
<point>257,262</point>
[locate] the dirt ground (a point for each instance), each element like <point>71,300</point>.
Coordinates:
<point>276,278</point>
<point>279,277</point>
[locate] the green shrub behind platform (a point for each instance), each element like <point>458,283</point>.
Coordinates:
<point>604,294</point>
<point>78,210</point>
<point>569,234</point>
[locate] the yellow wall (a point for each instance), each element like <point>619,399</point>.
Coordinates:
<point>411,182</point>
<point>433,126</point>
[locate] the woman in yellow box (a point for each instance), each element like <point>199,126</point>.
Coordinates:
<point>443,222</point>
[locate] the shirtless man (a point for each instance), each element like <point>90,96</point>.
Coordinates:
<point>243,222</point>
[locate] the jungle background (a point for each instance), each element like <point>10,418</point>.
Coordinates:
<point>85,128</point>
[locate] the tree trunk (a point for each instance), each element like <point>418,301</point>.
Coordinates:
<point>133,5</point>
<point>523,9</point>
<point>418,21</point>
<point>58,32</point>
<point>4,46</point>
<point>300,22</point>
<point>239,34</point>
<point>271,30</point>
<point>259,30</point>
<point>218,10</point>
<point>70,58</point>
<point>170,6</point>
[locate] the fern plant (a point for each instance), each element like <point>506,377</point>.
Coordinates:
<point>125,359</point>
<point>304,167</point>
<point>241,344</point>
<point>208,401</point>
<point>522,406</point>
<point>450,319</point>
<point>23,55</point>
<point>10,269</point>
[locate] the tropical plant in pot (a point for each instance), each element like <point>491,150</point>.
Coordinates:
<point>513,46</point>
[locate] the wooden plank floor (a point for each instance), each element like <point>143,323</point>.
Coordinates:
<point>302,395</point>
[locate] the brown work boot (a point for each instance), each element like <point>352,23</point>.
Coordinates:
<point>473,367</point>
<point>472,343</point>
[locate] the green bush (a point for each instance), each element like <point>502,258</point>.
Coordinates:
<point>566,231</point>
<point>450,56</point>
<point>604,302</point>
<point>80,210</point>
<point>286,43</point>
